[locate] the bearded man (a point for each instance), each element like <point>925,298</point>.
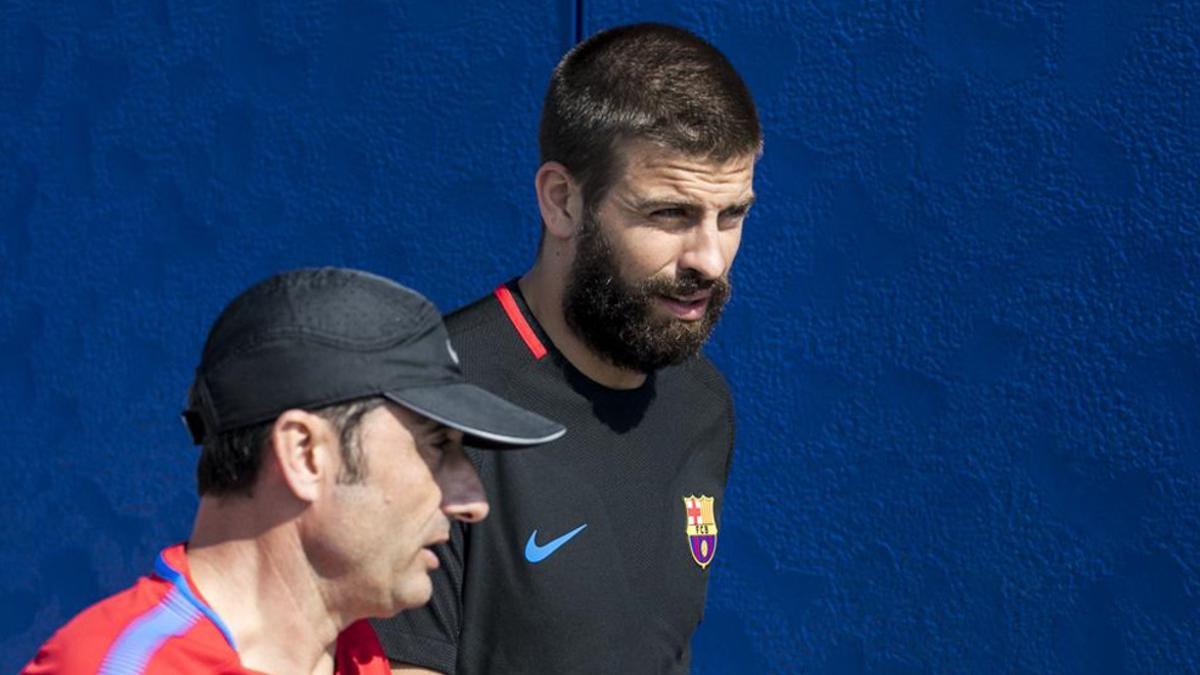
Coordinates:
<point>597,554</point>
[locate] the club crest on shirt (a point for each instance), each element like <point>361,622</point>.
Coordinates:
<point>701,528</point>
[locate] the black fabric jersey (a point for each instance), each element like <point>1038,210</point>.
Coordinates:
<point>590,559</point>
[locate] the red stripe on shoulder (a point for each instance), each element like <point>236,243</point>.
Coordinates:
<point>518,321</point>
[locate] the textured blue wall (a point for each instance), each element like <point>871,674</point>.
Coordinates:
<point>964,344</point>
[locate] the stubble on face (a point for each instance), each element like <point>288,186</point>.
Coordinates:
<point>616,317</point>
<point>376,530</point>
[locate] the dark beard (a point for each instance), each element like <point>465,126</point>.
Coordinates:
<point>617,320</point>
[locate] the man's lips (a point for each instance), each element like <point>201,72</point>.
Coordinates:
<point>687,307</point>
<point>431,559</point>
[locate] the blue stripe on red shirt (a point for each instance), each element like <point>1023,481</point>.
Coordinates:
<point>173,616</point>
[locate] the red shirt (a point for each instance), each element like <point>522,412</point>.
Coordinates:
<point>163,625</point>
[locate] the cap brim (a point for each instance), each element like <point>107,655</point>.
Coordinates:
<point>479,414</point>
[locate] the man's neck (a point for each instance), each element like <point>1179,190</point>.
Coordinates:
<point>544,294</point>
<point>256,579</point>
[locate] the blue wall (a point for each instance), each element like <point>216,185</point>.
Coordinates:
<point>964,343</point>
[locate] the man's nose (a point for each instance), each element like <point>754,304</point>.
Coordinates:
<point>703,252</point>
<point>463,497</point>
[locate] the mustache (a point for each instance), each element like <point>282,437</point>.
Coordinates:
<point>688,282</point>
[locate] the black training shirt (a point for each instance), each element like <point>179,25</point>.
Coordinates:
<point>611,582</point>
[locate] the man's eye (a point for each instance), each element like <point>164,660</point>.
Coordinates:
<point>434,451</point>
<point>669,213</point>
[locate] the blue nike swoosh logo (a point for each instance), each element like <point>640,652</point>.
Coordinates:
<point>536,554</point>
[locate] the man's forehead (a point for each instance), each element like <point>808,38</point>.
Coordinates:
<point>637,153</point>
<point>659,174</point>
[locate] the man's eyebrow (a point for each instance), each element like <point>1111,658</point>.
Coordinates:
<point>437,428</point>
<point>656,204</point>
<point>426,425</point>
<point>743,205</point>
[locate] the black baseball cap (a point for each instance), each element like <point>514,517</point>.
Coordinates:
<point>312,338</point>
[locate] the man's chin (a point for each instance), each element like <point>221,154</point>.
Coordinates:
<point>416,596</point>
<point>414,587</point>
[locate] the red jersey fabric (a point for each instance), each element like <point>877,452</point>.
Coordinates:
<point>163,625</point>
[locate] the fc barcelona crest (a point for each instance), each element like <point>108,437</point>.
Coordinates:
<point>701,528</point>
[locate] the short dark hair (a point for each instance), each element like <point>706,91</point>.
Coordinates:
<point>643,81</point>
<point>230,461</point>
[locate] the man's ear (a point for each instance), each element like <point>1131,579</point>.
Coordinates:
<point>559,199</point>
<point>304,447</point>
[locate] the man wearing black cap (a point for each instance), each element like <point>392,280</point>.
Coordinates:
<point>331,412</point>
<point>597,554</point>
